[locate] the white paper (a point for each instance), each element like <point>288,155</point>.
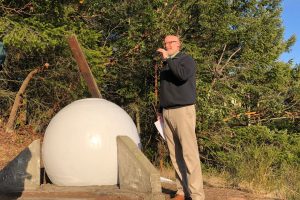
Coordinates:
<point>165,180</point>
<point>159,124</point>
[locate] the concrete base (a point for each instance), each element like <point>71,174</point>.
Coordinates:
<point>23,172</point>
<point>137,177</point>
<point>136,173</point>
<point>53,192</point>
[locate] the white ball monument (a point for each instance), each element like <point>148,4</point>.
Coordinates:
<point>79,146</point>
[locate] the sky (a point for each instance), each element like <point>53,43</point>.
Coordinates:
<point>291,22</point>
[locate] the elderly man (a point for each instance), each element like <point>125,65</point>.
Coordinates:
<point>177,110</point>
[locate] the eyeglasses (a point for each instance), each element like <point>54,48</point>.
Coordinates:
<point>165,43</point>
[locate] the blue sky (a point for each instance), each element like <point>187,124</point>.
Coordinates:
<point>291,23</point>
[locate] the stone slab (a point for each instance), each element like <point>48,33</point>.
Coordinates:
<point>136,173</point>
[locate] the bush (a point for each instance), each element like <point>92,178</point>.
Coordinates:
<point>259,157</point>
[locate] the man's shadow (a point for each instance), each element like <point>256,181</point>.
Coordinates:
<point>14,175</point>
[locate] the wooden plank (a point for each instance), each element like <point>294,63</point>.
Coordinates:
<point>83,66</point>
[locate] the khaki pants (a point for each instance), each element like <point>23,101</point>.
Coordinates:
<point>179,131</point>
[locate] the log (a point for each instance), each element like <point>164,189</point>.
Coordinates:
<point>13,113</point>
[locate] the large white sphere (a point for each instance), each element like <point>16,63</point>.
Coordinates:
<point>80,148</point>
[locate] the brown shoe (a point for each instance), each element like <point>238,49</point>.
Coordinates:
<point>178,197</point>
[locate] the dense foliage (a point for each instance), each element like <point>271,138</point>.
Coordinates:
<point>248,101</point>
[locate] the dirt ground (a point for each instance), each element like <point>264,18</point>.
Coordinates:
<point>11,144</point>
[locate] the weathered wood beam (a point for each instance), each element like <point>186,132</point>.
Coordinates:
<point>83,66</point>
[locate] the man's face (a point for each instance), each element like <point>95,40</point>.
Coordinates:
<point>172,44</point>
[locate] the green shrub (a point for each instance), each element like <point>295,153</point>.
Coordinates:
<point>257,157</point>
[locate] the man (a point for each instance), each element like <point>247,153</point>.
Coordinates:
<point>177,110</point>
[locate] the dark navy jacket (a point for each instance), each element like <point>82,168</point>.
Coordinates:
<point>178,82</point>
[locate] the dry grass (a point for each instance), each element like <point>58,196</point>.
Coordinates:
<point>167,172</point>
